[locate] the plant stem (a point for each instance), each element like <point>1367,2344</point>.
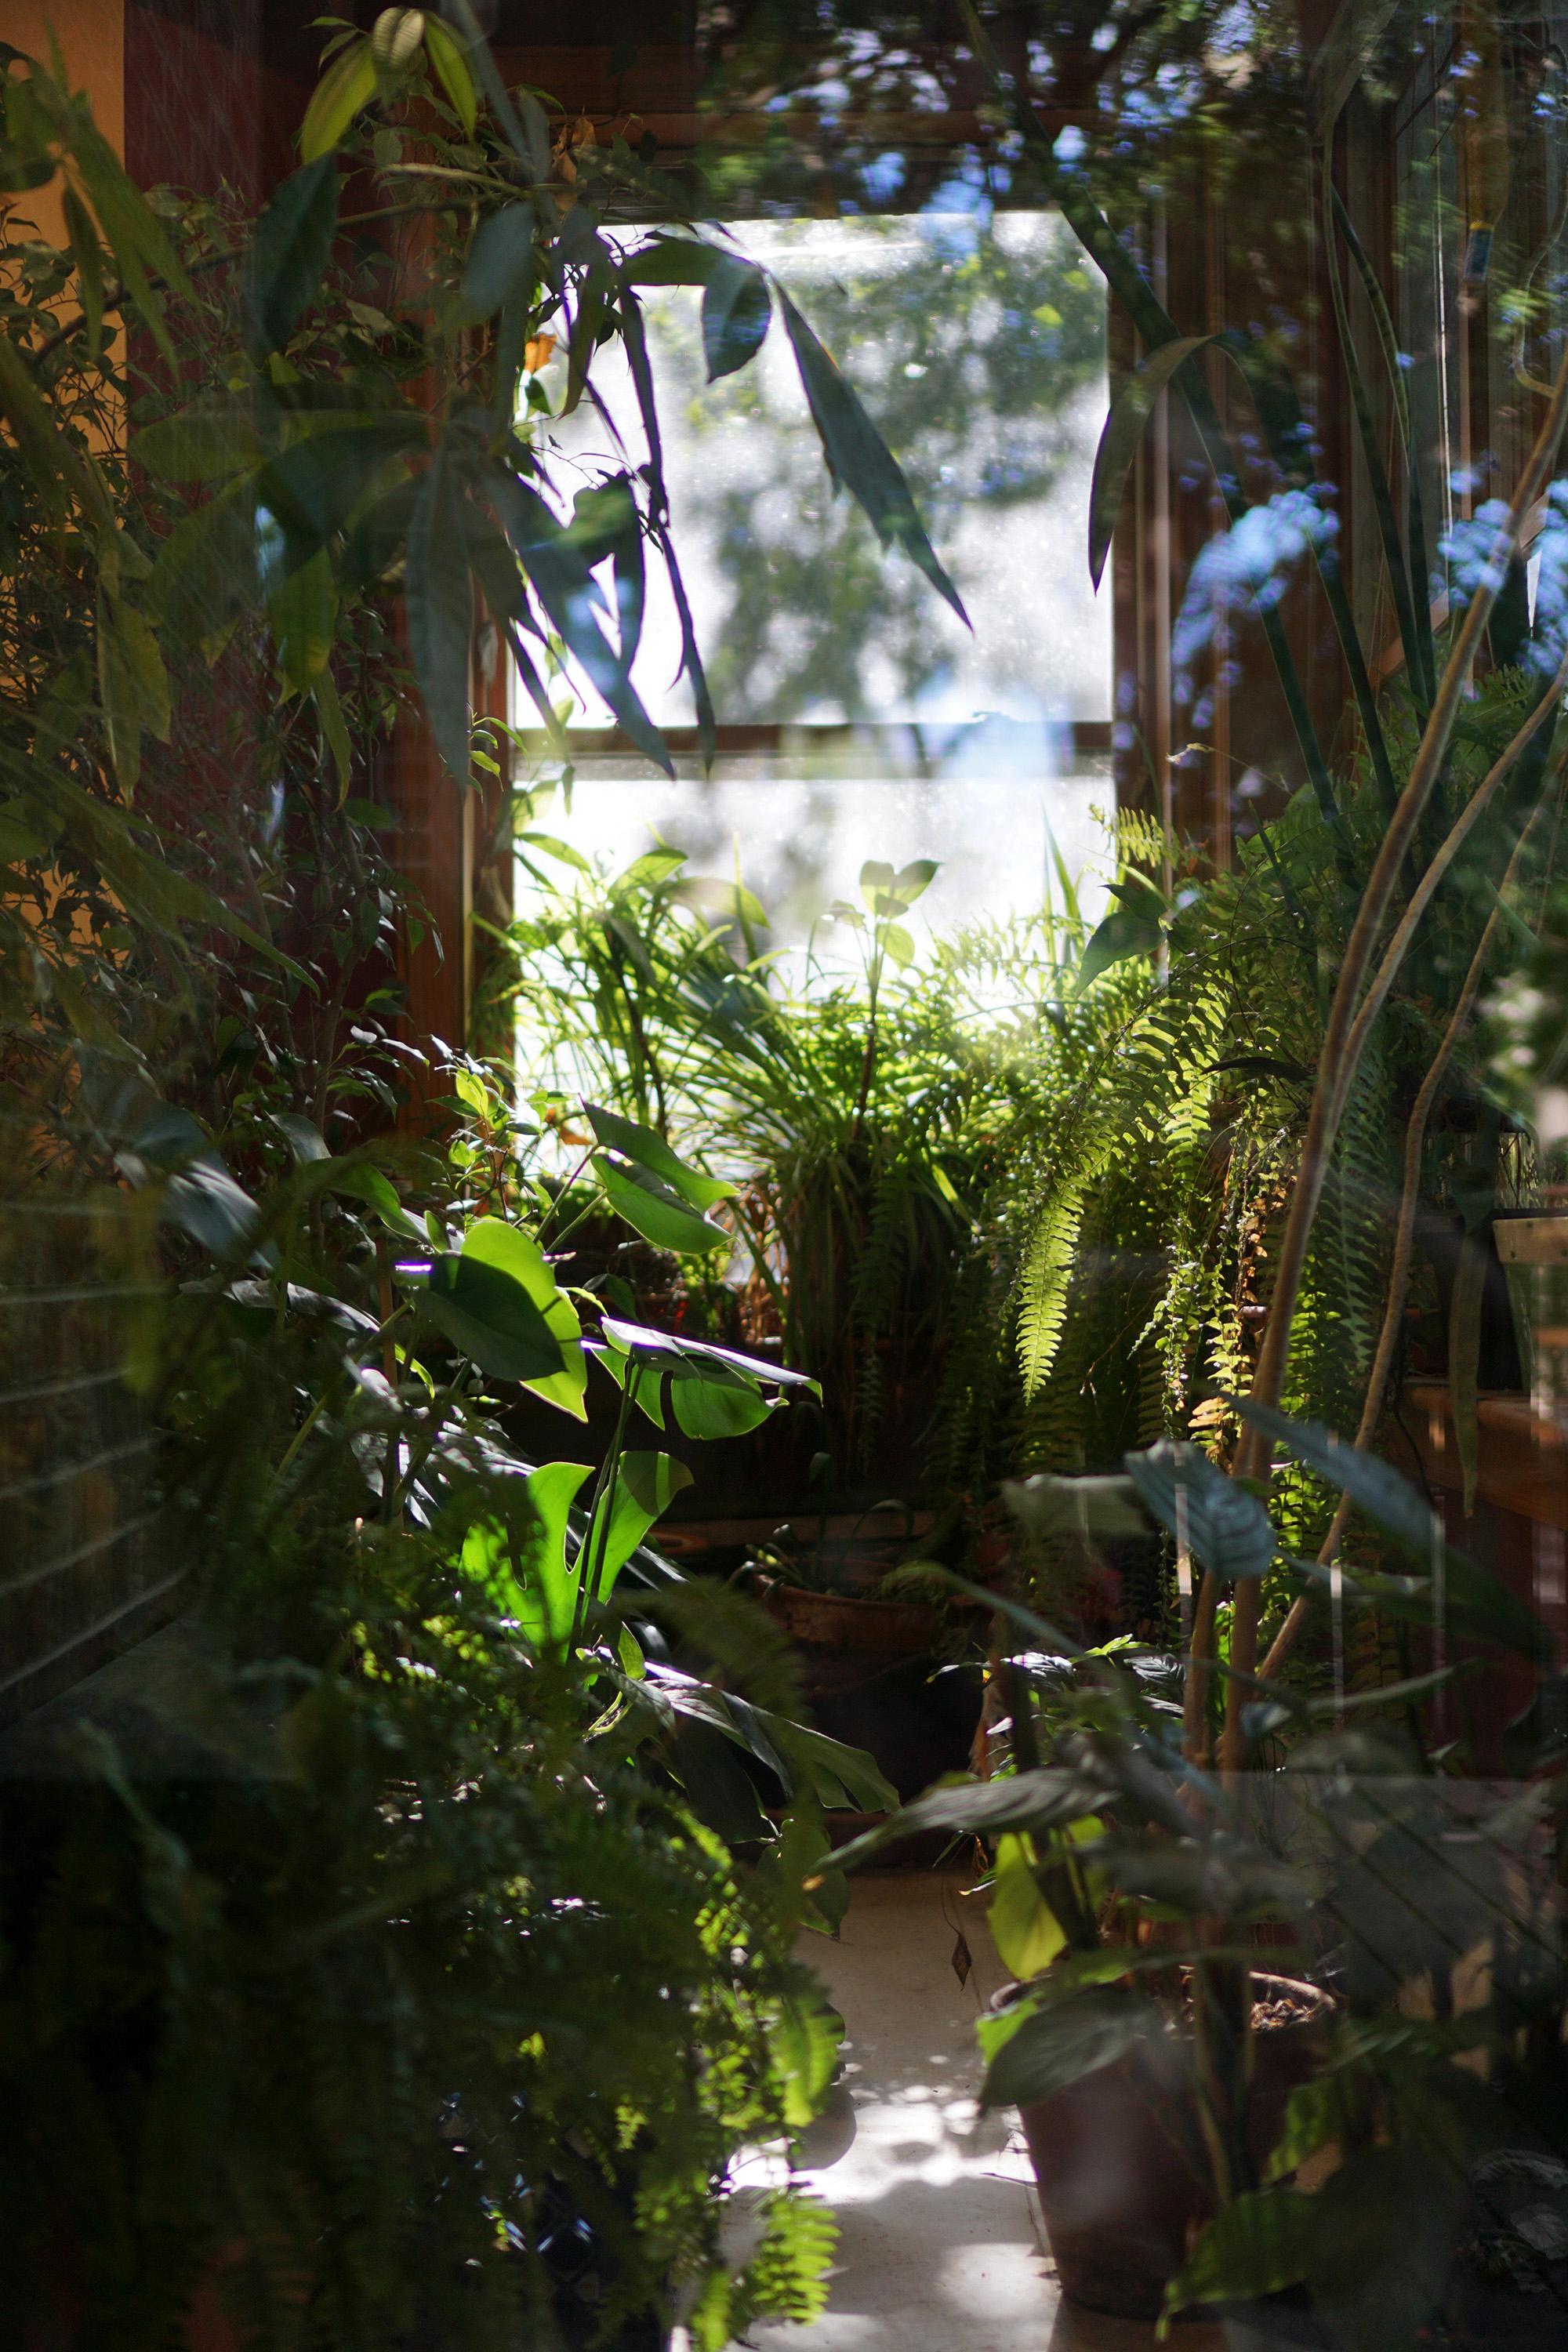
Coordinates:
<point>1337,1063</point>
<point>1403,1246</point>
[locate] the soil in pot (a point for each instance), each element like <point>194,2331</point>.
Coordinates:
<point>1118,2156</point>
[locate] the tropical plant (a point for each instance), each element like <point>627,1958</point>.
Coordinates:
<point>442,1962</point>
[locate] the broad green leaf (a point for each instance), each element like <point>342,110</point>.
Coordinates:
<point>289,251</point>
<point>1221,1524</point>
<point>898,943</point>
<point>1255,2247</point>
<point>671,261</point>
<point>652,1209</point>
<point>736,312</point>
<point>489,1314</point>
<point>133,230</point>
<point>500,266</point>
<point>199,445</point>
<point>345,91</point>
<point>1124,933</point>
<point>203,1198</point>
<point>1023,1927</point>
<point>698,1360</point>
<point>1316,2112</point>
<point>1481,1604</point>
<point>492,1242</point>
<point>1129,412</point>
<point>644,1487</point>
<point>524,1565</point>
<point>364,1182</point>
<point>451,64</point>
<point>303,1136</point>
<point>651,1151</point>
<point>1056,2047</point>
<point>303,616</point>
<point>705,1411</point>
<point>1030,1801</point>
<point>440,604</point>
<point>857,455</point>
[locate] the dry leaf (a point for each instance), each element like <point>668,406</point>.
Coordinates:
<point>536,352</point>
<point>961,1962</point>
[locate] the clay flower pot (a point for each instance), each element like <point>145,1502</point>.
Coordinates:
<point>1117,2156</point>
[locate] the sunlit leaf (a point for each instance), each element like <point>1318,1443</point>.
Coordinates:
<point>493,1242</point>
<point>857,455</point>
<point>450,61</point>
<point>650,1151</point>
<point>345,91</point>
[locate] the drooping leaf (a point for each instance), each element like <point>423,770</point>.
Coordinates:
<point>671,261</point>
<point>330,710</point>
<point>1220,1523</point>
<point>644,1487</point>
<point>566,588</point>
<point>88,255</point>
<point>488,1314</point>
<point>655,1210</point>
<point>303,1136</point>
<point>736,312</point>
<point>857,455</point>
<point>132,684</point>
<point>289,251</point>
<point>140,241</point>
<point>492,1242</point>
<point>1254,2247</point>
<point>440,604</point>
<point>345,91</point>
<point>1022,1802</point>
<point>451,63</point>
<point>1130,412</point>
<point>500,266</point>
<point>1125,932</point>
<point>206,573</point>
<point>651,1151</point>
<point>705,1411</point>
<point>1057,2047</point>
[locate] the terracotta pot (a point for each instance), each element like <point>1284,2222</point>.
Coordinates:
<point>831,1621</point>
<point>1119,2159</point>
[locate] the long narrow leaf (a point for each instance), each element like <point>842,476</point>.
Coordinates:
<point>440,602</point>
<point>857,455</point>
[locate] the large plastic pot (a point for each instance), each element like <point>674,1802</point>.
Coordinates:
<point>1120,2164</point>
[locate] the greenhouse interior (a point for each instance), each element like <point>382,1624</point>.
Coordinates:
<point>783,1176</point>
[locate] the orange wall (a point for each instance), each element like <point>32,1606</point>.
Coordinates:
<point>92,33</point>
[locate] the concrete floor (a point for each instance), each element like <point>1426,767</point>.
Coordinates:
<point>940,2247</point>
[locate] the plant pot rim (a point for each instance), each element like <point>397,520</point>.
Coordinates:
<point>835,1620</point>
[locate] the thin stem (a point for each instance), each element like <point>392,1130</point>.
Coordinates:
<point>1404,1249</point>
<point>1343,1040</point>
